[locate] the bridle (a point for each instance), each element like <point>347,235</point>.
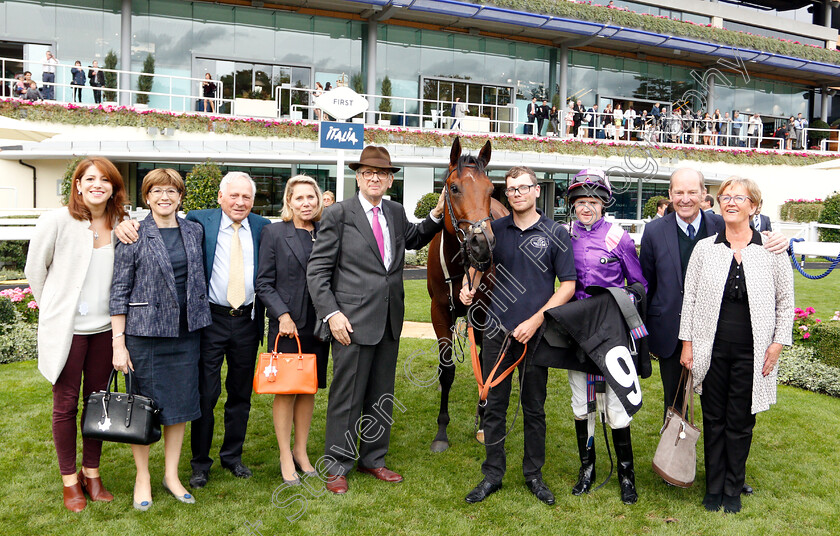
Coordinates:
<point>468,258</point>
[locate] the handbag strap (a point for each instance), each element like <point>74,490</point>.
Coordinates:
<point>277,340</point>
<point>688,394</point>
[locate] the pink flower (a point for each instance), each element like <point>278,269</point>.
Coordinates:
<point>32,304</point>
<point>817,320</point>
<point>809,310</point>
<point>806,336</point>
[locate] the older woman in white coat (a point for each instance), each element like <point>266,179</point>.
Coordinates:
<point>737,313</point>
<point>69,267</point>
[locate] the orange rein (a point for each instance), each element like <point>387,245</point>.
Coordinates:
<point>492,381</point>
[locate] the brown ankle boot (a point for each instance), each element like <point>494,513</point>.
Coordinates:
<point>74,498</point>
<point>94,488</point>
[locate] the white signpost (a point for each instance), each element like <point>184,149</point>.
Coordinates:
<point>341,103</point>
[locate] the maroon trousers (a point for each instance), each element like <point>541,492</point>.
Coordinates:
<point>90,357</point>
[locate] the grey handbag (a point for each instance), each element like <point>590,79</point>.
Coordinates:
<point>676,456</point>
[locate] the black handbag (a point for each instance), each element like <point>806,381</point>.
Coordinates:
<point>121,417</point>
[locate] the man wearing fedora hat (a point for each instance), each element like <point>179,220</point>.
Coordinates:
<point>355,279</point>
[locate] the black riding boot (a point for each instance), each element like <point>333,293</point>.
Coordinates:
<point>586,476</point>
<point>624,460</point>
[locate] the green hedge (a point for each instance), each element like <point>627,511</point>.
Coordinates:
<point>13,253</point>
<point>801,211</point>
<point>628,19</point>
<point>425,205</point>
<point>826,343</point>
<point>830,214</point>
<point>202,187</point>
<point>798,367</point>
<point>19,342</point>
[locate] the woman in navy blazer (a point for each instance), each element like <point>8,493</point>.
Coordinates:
<point>158,305</point>
<point>281,285</point>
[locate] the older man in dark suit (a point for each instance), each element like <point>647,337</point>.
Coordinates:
<point>355,279</point>
<point>231,246</point>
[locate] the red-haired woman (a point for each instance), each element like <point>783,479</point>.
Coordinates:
<point>69,267</point>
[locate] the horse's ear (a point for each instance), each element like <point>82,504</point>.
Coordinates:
<point>484,154</point>
<point>455,153</point>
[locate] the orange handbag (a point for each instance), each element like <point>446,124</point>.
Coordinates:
<point>286,374</point>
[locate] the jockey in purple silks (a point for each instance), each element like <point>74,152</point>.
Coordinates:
<point>605,256</point>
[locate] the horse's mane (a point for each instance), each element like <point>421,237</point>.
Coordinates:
<point>469,161</point>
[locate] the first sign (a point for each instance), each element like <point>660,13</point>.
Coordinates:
<point>341,103</point>
<point>335,135</point>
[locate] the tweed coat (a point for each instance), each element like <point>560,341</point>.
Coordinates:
<point>144,283</point>
<point>56,267</point>
<point>769,292</point>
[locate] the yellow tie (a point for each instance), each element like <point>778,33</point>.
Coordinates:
<point>236,282</point>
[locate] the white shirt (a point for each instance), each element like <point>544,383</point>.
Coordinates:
<point>386,234</point>
<point>49,65</point>
<point>219,276</point>
<point>696,224</point>
<point>92,312</point>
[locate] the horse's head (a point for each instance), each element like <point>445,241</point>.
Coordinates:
<point>467,211</point>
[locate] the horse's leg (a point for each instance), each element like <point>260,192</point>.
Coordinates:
<point>442,322</point>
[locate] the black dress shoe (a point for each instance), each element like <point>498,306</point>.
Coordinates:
<point>731,505</point>
<point>538,488</point>
<point>747,489</point>
<point>239,470</point>
<point>199,478</point>
<point>483,490</point>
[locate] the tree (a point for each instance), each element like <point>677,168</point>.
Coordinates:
<point>649,209</point>
<point>385,104</point>
<point>67,179</point>
<point>110,77</point>
<point>425,205</point>
<point>816,136</point>
<point>145,82</point>
<point>202,187</point>
<point>357,83</point>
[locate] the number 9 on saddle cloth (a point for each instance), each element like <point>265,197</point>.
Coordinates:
<point>603,335</point>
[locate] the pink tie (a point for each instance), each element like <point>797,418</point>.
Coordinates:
<point>377,233</point>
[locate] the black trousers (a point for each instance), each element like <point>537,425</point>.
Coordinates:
<point>670,371</point>
<point>727,417</point>
<point>237,339</point>
<point>532,383</point>
<point>360,404</point>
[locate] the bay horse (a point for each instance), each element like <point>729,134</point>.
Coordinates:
<point>466,240</point>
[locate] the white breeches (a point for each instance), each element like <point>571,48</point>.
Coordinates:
<point>616,414</point>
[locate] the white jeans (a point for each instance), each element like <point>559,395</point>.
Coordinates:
<point>616,414</point>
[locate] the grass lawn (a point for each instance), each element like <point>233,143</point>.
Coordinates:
<point>793,467</point>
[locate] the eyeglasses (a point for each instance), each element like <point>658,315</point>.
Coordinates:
<point>380,174</point>
<point>170,192</point>
<point>521,190</point>
<point>739,199</point>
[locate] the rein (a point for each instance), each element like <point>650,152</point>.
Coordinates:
<point>468,260</point>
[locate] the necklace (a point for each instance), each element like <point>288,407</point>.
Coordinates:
<point>311,233</point>
<point>95,235</point>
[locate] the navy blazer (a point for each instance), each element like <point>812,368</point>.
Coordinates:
<point>211,220</point>
<point>660,260</point>
<point>143,288</point>
<point>281,281</point>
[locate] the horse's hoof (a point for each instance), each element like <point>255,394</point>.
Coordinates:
<point>480,436</point>
<point>440,446</point>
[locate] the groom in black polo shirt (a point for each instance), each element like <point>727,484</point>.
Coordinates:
<point>531,252</point>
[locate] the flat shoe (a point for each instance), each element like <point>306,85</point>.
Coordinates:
<point>483,490</point>
<point>337,484</point>
<point>94,488</point>
<point>143,506</point>
<point>382,473</point>
<point>74,497</point>
<point>185,498</point>
<point>239,470</point>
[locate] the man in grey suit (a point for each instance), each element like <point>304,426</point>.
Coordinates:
<point>355,280</point>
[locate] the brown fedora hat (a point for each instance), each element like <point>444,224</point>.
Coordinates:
<point>374,156</point>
